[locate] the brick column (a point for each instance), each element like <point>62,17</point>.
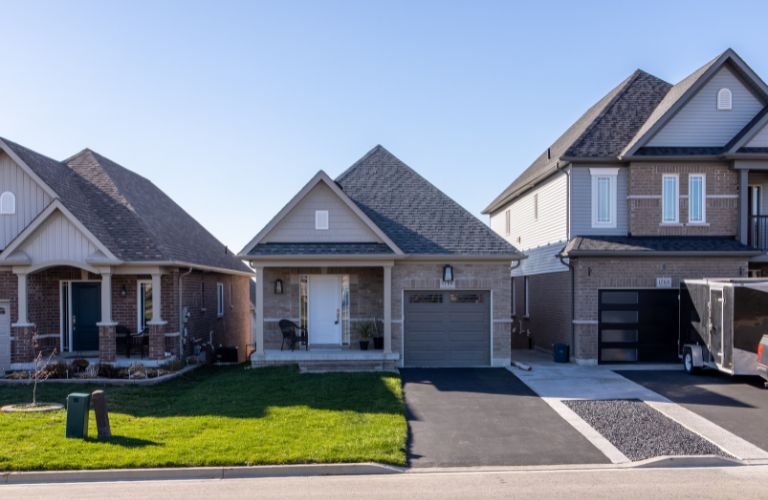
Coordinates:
<point>23,344</point>
<point>107,343</point>
<point>157,340</point>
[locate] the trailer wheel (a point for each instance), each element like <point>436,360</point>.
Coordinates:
<point>688,361</point>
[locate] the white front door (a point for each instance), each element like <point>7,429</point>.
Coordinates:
<point>324,301</point>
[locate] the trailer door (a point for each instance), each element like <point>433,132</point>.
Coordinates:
<point>716,325</point>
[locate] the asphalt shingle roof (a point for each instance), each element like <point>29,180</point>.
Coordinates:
<point>601,132</point>
<point>413,213</point>
<point>611,245</point>
<point>320,249</point>
<point>131,216</point>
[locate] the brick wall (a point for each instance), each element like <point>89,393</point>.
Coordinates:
<point>593,274</point>
<point>722,208</point>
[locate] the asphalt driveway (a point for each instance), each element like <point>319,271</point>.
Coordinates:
<point>484,416</point>
<point>737,404</point>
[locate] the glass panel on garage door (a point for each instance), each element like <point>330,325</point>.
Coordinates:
<point>638,326</point>
<point>447,328</point>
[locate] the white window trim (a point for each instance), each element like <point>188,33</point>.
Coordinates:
<point>526,297</point>
<point>322,220</point>
<point>508,222</point>
<point>535,206</point>
<point>677,198</point>
<point>612,175</point>
<point>220,300</point>
<point>139,305</point>
<point>703,199</point>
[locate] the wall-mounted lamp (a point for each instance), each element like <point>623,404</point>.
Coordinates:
<point>448,273</point>
<point>123,292</point>
<point>278,287</point>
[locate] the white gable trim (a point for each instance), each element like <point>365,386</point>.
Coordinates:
<point>321,176</point>
<point>38,222</point>
<point>751,79</point>
<point>758,127</point>
<point>26,168</point>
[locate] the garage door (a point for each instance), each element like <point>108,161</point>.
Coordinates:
<point>447,328</point>
<point>638,326</point>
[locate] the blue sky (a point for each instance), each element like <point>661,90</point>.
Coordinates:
<point>230,107</point>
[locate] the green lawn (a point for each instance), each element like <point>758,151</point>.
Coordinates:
<point>217,416</point>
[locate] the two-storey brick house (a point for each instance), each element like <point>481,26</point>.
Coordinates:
<point>654,184</point>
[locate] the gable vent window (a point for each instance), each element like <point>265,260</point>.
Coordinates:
<point>724,100</point>
<point>507,222</point>
<point>321,219</point>
<point>7,203</point>
<point>536,206</point>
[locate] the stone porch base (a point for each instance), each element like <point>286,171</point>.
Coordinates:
<point>329,360</point>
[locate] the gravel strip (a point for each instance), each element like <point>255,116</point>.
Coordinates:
<point>639,431</point>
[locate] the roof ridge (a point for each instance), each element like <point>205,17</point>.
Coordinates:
<point>375,149</point>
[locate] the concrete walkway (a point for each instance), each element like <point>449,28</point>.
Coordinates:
<point>555,382</point>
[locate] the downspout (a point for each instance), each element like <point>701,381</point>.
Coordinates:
<point>182,334</point>
<point>572,271</point>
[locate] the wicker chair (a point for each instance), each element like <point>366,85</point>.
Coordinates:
<point>288,329</point>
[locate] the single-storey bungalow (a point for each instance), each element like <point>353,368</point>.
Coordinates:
<point>380,252</point>
<point>97,262</point>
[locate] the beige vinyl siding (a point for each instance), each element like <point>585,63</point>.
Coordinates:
<point>760,140</point>
<point>529,231</point>
<point>30,199</point>
<point>344,225</point>
<point>700,123</point>
<point>581,202</point>
<point>57,240</point>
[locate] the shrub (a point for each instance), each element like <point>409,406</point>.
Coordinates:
<point>55,370</point>
<point>108,371</point>
<point>79,365</point>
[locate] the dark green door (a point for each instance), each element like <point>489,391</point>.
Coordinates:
<point>86,312</point>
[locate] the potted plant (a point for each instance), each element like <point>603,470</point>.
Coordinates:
<point>378,335</point>
<point>365,329</point>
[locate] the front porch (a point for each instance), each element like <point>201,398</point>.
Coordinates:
<point>345,313</point>
<point>104,315</point>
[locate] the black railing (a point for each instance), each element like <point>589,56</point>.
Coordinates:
<point>758,232</point>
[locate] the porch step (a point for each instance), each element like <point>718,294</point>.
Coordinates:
<point>324,366</point>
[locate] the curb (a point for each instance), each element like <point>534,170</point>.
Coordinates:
<point>180,473</point>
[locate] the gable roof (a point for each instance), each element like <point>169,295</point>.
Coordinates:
<point>682,92</point>
<point>128,214</point>
<point>254,246</point>
<point>418,217</point>
<point>600,133</point>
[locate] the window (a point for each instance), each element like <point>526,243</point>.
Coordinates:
<point>536,206</point>
<point>724,100</point>
<point>426,298</point>
<point>7,203</point>
<point>466,298</point>
<point>321,219</point>
<point>526,302</point>
<point>604,197</point>
<point>697,199</point>
<point>144,304</point>
<point>507,222</point>
<point>669,199</point>
<point>220,299</point>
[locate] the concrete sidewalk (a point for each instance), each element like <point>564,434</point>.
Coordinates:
<point>555,382</point>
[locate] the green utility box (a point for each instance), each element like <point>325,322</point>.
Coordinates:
<point>78,404</point>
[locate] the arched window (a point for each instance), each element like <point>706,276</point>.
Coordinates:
<point>724,99</point>
<point>7,203</point>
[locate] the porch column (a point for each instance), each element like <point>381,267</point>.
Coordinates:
<point>387,309</point>
<point>22,317</point>
<point>259,270</point>
<point>23,340</point>
<point>744,222</point>
<point>107,331</point>
<point>157,325</point>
